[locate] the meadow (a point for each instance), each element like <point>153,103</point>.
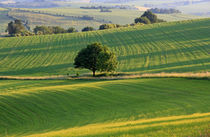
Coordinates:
<point>4,20</point>
<point>88,108</point>
<point>201,8</point>
<point>62,17</point>
<point>166,47</point>
<point>37,19</point>
<point>106,107</point>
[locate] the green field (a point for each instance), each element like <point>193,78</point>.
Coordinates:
<point>4,20</point>
<point>37,19</point>
<point>138,107</point>
<point>117,16</point>
<point>145,107</point>
<point>166,47</point>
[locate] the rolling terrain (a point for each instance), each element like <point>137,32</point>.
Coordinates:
<point>63,17</point>
<point>4,20</point>
<point>138,107</point>
<point>119,108</point>
<point>166,47</point>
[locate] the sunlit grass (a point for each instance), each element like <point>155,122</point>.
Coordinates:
<point>134,107</point>
<point>167,126</point>
<point>167,47</point>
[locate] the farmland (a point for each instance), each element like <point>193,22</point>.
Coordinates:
<point>137,107</point>
<point>65,17</point>
<point>117,16</point>
<point>166,47</point>
<point>71,17</point>
<point>154,105</point>
<point>3,20</point>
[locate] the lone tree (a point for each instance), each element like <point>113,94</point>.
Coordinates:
<point>71,30</point>
<point>96,57</point>
<point>151,16</point>
<point>15,27</point>
<point>148,18</point>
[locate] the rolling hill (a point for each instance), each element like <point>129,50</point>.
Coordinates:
<point>68,16</point>
<point>119,108</point>
<point>167,47</point>
<point>97,108</point>
<point>4,20</point>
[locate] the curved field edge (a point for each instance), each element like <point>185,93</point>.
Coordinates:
<point>113,76</point>
<point>166,47</point>
<point>135,107</point>
<point>190,125</point>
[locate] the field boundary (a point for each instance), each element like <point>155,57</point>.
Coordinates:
<point>203,75</point>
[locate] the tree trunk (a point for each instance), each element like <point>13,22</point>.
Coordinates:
<point>94,73</point>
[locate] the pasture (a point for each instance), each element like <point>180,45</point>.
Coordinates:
<point>137,107</point>
<point>166,47</point>
<point>104,107</point>
<point>63,17</point>
<point>4,20</point>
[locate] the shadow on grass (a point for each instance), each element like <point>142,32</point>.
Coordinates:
<point>52,69</point>
<point>169,67</point>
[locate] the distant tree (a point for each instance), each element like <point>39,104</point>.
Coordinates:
<point>109,26</point>
<point>57,29</point>
<point>96,58</point>
<point>43,30</point>
<point>148,17</point>
<point>151,16</point>
<point>15,27</point>
<point>71,30</point>
<point>88,29</point>
<point>144,20</point>
<point>164,11</point>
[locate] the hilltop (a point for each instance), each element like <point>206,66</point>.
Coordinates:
<point>166,47</point>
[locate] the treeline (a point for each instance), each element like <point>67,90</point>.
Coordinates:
<point>164,11</point>
<point>44,30</point>
<point>17,28</point>
<point>105,10</point>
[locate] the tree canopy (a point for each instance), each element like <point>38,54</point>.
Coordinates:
<point>88,29</point>
<point>144,20</point>
<point>96,57</point>
<point>15,27</point>
<point>151,16</point>
<point>108,26</point>
<point>71,30</point>
<point>148,18</point>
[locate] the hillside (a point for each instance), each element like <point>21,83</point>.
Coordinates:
<point>167,47</point>
<point>139,107</point>
<point>4,20</point>
<point>67,17</point>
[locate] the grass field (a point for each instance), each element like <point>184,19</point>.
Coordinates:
<point>166,47</point>
<point>117,16</point>
<point>138,107</point>
<point>144,107</point>
<point>4,20</point>
<point>37,19</point>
